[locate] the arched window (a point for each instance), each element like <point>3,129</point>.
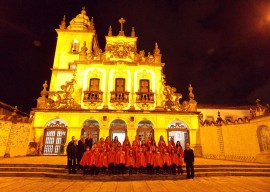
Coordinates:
<point>145,130</point>
<point>91,127</point>
<point>178,130</point>
<point>54,139</point>
<point>118,128</point>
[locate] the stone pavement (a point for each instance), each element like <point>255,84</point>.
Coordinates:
<point>206,184</point>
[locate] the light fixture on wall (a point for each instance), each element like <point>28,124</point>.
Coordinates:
<point>72,66</point>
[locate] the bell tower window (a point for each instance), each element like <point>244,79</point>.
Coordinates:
<point>75,46</point>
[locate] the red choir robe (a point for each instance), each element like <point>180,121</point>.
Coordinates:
<point>170,147</point>
<point>95,158</point>
<point>108,144</point>
<point>177,159</point>
<point>111,156</point>
<point>140,159</point>
<point>180,150</point>
<point>101,146</point>
<point>158,161</point>
<point>180,156</point>
<point>103,159</point>
<point>126,146</point>
<point>136,143</point>
<point>86,158</point>
<point>148,143</point>
<point>161,145</point>
<point>130,160</point>
<point>167,158</point>
<point>116,144</point>
<point>149,157</point>
<point>120,157</point>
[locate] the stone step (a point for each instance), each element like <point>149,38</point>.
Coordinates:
<point>127,177</point>
<point>198,169</point>
<point>195,166</point>
<point>33,165</point>
<point>33,169</point>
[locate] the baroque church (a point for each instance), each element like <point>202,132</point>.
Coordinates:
<point>122,92</point>
<point>119,92</point>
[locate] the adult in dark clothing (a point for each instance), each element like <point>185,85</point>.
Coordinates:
<point>189,160</point>
<point>80,150</point>
<point>89,141</point>
<point>71,154</point>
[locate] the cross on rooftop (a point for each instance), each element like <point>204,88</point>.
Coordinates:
<point>121,21</point>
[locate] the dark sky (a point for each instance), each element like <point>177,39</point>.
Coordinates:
<point>221,47</point>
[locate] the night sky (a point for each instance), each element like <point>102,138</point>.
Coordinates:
<point>221,47</point>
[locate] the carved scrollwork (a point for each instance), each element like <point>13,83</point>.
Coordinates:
<point>62,99</point>
<point>121,50</point>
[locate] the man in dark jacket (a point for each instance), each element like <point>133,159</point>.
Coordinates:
<point>89,141</point>
<point>80,150</point>
<point>189,160</point>
<point>71,154</point>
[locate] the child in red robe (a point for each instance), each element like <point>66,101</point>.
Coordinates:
<point>126,145</point>
<point>120,160</point>
<point>161,144</point>
<point>149,158</point>
<point>158,161</point>
<point>140,160</point>
<point>175,160</point>
<point>85,161</point>
<point>95,162</point>
<point>180,153</point>
<point>167,161</point>
<point>111,161</point>
<point>103,161</point>
<point>130,161</point>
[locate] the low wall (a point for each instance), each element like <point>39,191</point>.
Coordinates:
<point>14,138</point>
<point>240,142</point>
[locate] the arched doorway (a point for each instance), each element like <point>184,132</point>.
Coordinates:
<point>54,140</point>
<point>178,130</point>
<point>118,128</point>
<point>263,134</point>
<point>91,127</point>
<point>145,130</point>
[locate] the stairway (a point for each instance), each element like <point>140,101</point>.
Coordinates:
<point>60,172</point>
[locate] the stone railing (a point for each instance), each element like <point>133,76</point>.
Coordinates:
<point>92,96</point>
<point>145,97</point>
<point>119,96</point>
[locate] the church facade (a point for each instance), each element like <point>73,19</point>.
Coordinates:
<point>120,91</point>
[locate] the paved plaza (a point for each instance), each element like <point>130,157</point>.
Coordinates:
<point>198,184</point>
<point>206,184</point>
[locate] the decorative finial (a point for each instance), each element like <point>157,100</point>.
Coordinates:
<point>156,50</point>
<point>191,95</point>
<point>133,32</point>
<point>44,92</point>
<point>83,10</point>
<point>63,23</point>
<point>14,112</point>
<point>121,21</point>
<point>92,25</point>
<point>110,31</point>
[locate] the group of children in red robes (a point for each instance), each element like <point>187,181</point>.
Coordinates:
<point>112,157</point>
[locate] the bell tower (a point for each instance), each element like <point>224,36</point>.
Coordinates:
<point>74,42</point>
